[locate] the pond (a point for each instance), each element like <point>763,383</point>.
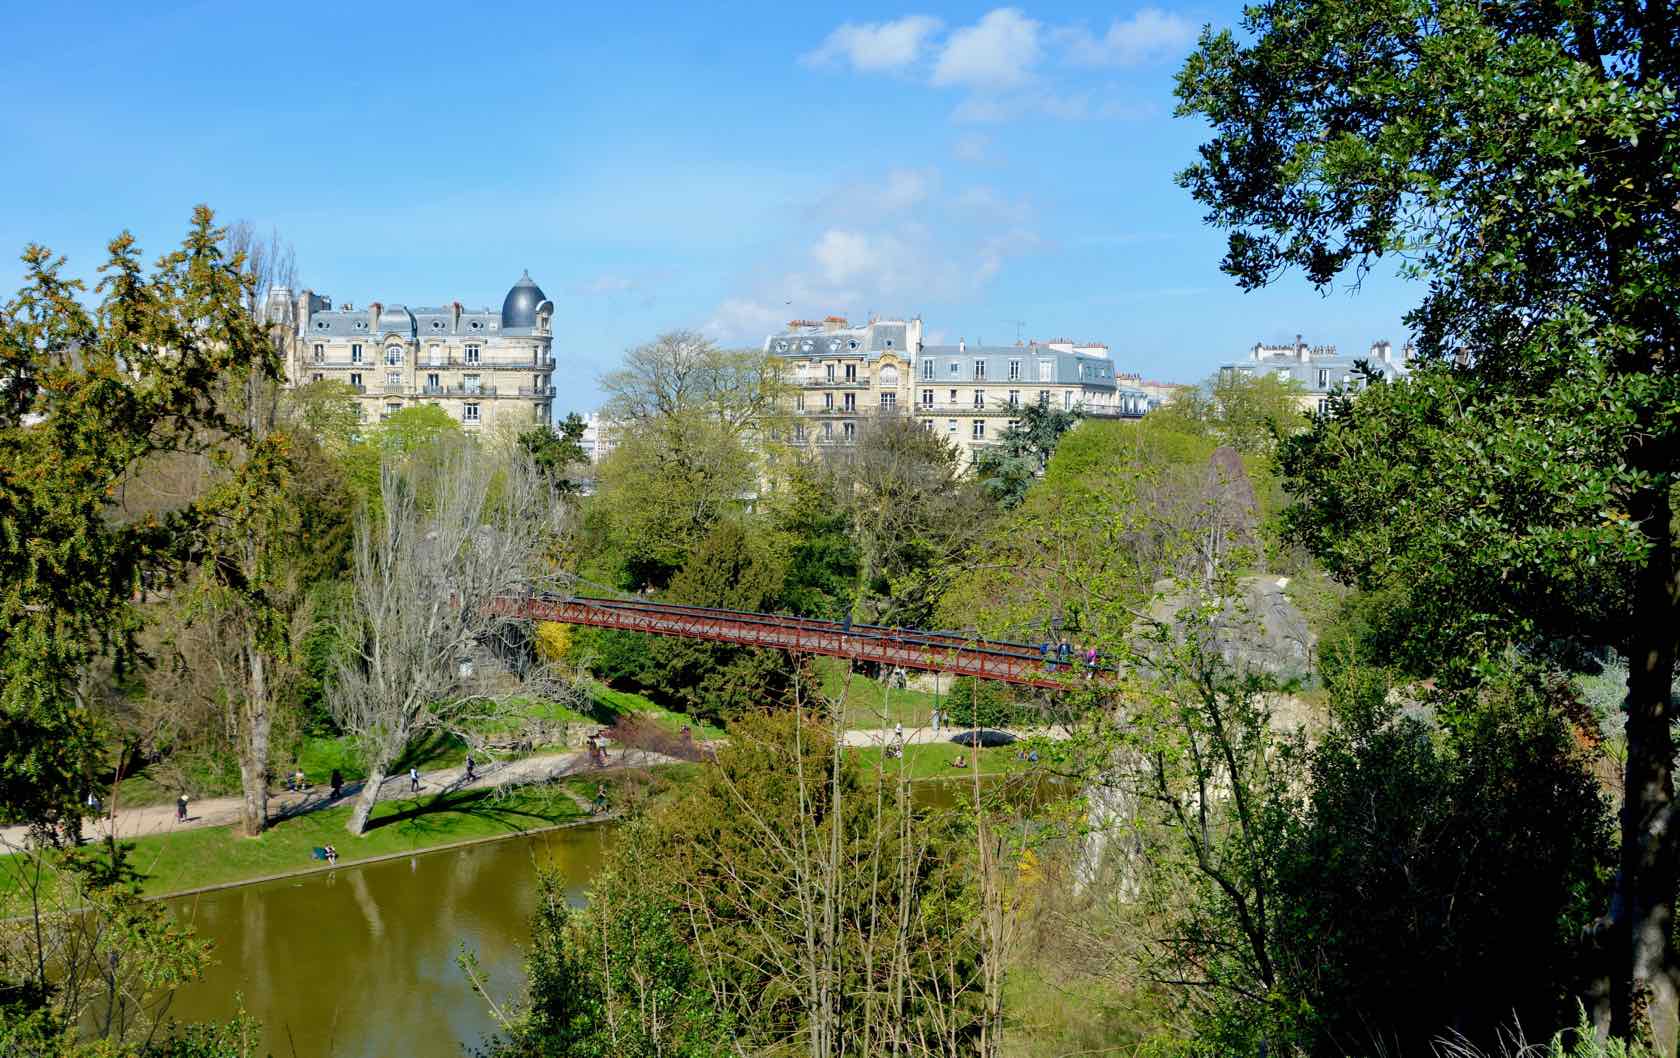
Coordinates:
<point>361,961</point>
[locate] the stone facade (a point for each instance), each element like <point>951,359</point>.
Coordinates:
<point>480,366</point>
<point>840,373</point>
<point>1320,369</point>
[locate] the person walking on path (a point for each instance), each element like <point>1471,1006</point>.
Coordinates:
<point>934,717</point>
<point>470,775</point>
<point>337,783</point>
<point>599,805</point>
<point>413,780</point>
<point>181,809</point>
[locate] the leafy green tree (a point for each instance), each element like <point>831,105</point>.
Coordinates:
<point>1007,469</point>
<point>662,489</point>
<point>84,400</point>
<point>1248,413</point>
<point>1521,159</point>
<point>813,532</point>
<point>1441,877</point>
<point>733,569</point>
<point>555,450</point>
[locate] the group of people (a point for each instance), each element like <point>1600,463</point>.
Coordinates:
<point>1062,654</point>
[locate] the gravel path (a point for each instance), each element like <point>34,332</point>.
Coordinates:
<point>146,820</point>
<point>224,811</point>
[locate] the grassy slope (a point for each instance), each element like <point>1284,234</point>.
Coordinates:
<point>868,701</point>
<point>932,760</point>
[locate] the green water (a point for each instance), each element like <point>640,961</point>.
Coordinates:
<point>361,962</point>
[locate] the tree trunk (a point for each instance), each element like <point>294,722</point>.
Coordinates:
<point>366,800</point>
<point>253,750</point>
<point>1647,979</point>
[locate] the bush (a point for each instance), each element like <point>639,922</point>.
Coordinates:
<point>983,703</point>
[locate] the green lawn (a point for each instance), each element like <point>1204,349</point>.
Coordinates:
<point>869,701</point>
<point>188,859</point>
<point>932,760</point>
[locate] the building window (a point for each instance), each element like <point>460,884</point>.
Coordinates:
<point>889,401</point>
<point>320,354</point>
<point>316,377</point>
<point>356,380</point>
<point>953,396</point>
<point>851,372</point>
<point>850,430</point>
<point>1047,370</point>
<point>1323,378</point>
<point>979,398</point>
<point>799,402</point>
<point>828,431</point>
<point>1067,400</point>
<point>355,353</point>
<point>979,369</point>
<point>828,372</point>
<point>799,431</point>
<point>472,354</point>
<point>469,412</point>
<point>432,383</point>
<point>361,413</point>
<point>1014,398</point>
<point>828,402</point>
<point>393,378</point>
<point>393,355</point>
<point>951,426</point>
<point>979,432</point>
<point>927,370</point>
<point>1014,370</point>
<point>434,355</point>
<point>927,424</point>
<point>889,376</point>
<point>956,369</point>
<point>851,402</point>
<point>392,409</point>
<point>927,398</point>
<point>470,383</point>
<point>1014,424</point>
<point>1324,405</point>
<point>1043,398</point>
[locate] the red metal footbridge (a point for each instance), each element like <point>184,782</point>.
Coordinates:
<point>1021,663</point>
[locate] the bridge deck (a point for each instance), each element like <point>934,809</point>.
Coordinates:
<point>1019,663</point>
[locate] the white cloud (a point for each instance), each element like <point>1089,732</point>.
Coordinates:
<point>1149,35</point>
<point>999,51</point>
<point>844,255</point>
<point>873,47</point>
<point>743,319</point>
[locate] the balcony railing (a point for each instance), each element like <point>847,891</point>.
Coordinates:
<point>470,391</point>
<point>832,383</point>
<point>460,363</point>
<point>536,391</point>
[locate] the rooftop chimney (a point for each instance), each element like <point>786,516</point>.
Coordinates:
<point>962,346</point>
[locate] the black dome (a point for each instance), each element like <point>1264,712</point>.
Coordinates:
<point>519,308</point>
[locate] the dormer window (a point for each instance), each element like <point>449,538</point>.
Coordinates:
<point>853,344</point>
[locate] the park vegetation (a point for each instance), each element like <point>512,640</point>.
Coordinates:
<point>1374,755</point>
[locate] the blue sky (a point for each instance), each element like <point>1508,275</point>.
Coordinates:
<point>657,167</point>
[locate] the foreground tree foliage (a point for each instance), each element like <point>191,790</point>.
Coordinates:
<point>783,902</point>
<point>1522,159</point>
<point>86,401</point>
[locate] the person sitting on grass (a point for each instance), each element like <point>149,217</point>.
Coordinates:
<point>332,856</point>
<point>961,761</point>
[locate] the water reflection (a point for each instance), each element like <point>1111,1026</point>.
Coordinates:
<point>361,961</point>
